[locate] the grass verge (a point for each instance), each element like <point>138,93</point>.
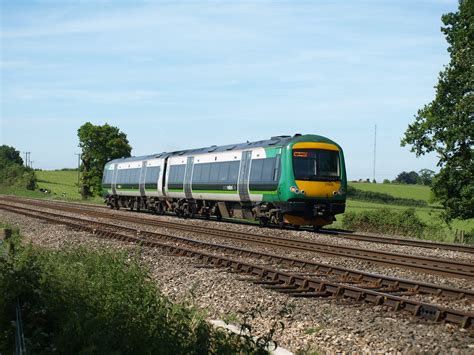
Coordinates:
<point>96,302</point>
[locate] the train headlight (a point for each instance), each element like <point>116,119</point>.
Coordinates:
<point>294,189</point>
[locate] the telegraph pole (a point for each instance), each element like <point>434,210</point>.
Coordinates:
<point>375,150</point>
<point>27,158</point>
<point>78,171</point>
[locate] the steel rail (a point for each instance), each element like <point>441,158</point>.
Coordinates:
<point>399,241</point>
<point>344,274</point>
<point>446,267</point>
<point>287,282</point>
<point>333,232</point>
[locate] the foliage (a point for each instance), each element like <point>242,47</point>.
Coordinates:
<point>372,196</point>
<point>99,144</point>
<point>386,221</point>
<point>426,176</point>
<point>12,171</point>
<point>386,181</point>
<point>411,178</point>
<point>9,155</point>
<point>445,125</point>
<point>95,302</point>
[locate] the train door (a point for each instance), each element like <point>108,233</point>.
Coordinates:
<point>244,173</point>
<point>114,180</point>
<point>142,178</point>
<point>187,178</point>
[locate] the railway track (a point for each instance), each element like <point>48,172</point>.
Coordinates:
<point>446,267</point>
<point>320,280</point>
<point>332,232</point>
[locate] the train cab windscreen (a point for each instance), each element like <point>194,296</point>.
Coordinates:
<point>316,165</point>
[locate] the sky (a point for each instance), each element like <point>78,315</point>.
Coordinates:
<point>176,75</point>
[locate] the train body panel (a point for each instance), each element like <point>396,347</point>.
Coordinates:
<point>297,180</point>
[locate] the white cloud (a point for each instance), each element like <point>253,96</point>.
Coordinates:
<point>86,95</point>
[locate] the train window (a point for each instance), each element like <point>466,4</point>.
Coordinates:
<point>214,176</point>
<point>316,164</point>
<point>263,175</point>
<point>223,172</point>
<point>206,170</point>
<point>234,172</point>
<point>197,170</point>
<point>126,176</point>
<point>176,176</point>
<point>328,163</point>
<point>256,170</point>
<point>267,169</point>
<point>108,176</point>
<point>151,175</point>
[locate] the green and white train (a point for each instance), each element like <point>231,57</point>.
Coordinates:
<point>297,180</point>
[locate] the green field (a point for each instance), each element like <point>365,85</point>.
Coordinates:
<point>417,192</point>
<point>432,214</point>
<point>61,184</point>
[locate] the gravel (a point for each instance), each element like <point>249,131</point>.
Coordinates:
<point>322,325</point>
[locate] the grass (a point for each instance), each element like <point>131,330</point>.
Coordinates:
<point>417,192</point>
<point>61,184</point>
<point>78,300</point>
<point>431,215</point>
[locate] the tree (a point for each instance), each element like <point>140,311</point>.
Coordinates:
<point>99,145</point>
<point>410,178</point>
<point>445,125</point>
<point>12,171</point>
<point>426,176</point>
<point>9,155</point>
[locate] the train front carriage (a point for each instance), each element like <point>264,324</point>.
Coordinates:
<point>316,189</point>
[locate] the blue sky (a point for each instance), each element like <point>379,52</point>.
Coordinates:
<point>176,75</point>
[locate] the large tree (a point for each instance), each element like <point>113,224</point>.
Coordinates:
<point>446,125</point>
<point>99,145</point>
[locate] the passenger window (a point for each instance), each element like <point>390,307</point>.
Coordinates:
<point>197,169</point>
<point>223,172</point>
<point>267,170</point>
<point>256,170</point>
<point>206,170</point>
<point>214,172</point>
<point>233,172</point>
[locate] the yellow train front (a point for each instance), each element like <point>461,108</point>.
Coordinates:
<point>313,186</point>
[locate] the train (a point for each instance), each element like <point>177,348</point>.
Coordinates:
<point>285,180</point>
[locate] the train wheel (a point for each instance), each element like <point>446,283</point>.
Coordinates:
<point>296,226</point>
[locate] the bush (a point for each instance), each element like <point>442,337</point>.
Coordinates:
<point>17,176</point>
<point>386,221</point>
<point>82,301</point>
<point>378,197</point>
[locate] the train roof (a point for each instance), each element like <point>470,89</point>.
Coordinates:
<point>276,141</point>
